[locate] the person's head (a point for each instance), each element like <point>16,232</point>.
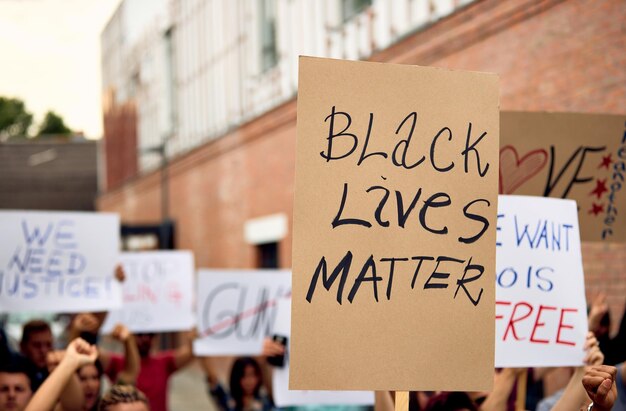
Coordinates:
<point>89,376</point>
<point>124,398</point>
<point>450,401</point>
<point>36,342</point>
<point>245,379</point>
<point>15,391</point>
<point>144,343</point>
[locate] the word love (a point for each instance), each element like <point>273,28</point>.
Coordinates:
<point>403,154</point>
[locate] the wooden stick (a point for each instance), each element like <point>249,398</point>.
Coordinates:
<point>520,400</point>
<point>402,400</point>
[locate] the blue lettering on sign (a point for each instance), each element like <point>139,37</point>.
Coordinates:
<point>48,263</point>
<point>547,235</point>
<point>535,277</point>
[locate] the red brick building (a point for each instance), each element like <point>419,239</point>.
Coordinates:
<point>551,55</point>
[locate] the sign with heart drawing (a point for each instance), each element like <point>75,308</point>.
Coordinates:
<point>565,155</point>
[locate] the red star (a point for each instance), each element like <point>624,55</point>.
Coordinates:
<point>606,162</point>
<point>596,209</point>
<point>600,188</point>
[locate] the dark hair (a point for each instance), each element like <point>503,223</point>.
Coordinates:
<point>96,364</point>
<point>236,374</point>
<point>120,394</point>
<point>33,327</point>
<point>16,365</point>
<point>450,401</point>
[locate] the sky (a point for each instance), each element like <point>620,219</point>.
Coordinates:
<point>50,58</point>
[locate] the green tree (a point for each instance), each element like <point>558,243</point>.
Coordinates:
<point>14,119</point>
<point>53,124</point>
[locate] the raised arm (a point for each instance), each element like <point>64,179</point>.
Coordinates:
<point>132,361</point>
<point>184,353</point>
<point>574,397</point>
<point>78,353</point>
<point>599,382</point>
<point>502,387</point>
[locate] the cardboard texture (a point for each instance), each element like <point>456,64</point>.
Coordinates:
<point>563,155</point>
<point>423,321</point>
<point>541,311</point>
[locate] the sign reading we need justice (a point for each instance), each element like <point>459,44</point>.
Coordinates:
<point>56,261</point>
<point>394,228</point>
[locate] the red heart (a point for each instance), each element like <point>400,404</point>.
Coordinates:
<point>515,171</point>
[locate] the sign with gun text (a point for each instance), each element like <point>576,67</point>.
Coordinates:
<point>568,155</point>
<point>59,262</point>
<point>236,309</point>
<point>157,292</point>
<point>394,228</point>
<point>541,314</point>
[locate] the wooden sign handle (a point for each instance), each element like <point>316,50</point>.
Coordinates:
<point>520,398</point>
<point>402,401</point>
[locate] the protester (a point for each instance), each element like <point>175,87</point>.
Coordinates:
<point>89,375</point>
<point>600,323</point>
<point>573,397</point>
<point>599,383</point>
<point>124,398</point>
<point>62,380</point>
<point>15,385</point>
<point>35,345</point>
<point>155,368</point>
<point>247,391</point>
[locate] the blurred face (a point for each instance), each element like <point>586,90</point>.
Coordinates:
<point>249,381</point>
<point>38,346</point>
<point>144,343</point>
<point>129,406</point>
<point>14,391</point>
<point>90,381</point>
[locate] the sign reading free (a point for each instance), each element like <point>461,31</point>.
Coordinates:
<point>541,317</point>
<point>62,262</point>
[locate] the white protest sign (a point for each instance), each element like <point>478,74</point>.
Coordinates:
<point>61,262</point>
<point>541,316</point>
<point>236,309</point>
<point>157,292</point>
<point>284,397</point>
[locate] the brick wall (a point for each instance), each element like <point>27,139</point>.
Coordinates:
<point>552,55</point>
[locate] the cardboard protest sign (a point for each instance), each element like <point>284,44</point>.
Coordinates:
<point>541,317</point>
<point>283,397</point>
<point>236,309</point>
<point>61,262</point>
<point>576,156</point>
<point>394,228</point>
<point>157,292</point>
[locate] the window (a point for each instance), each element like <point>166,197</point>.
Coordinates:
<point>269,53</point>
<point>351,8</point>
<point>267,255</point>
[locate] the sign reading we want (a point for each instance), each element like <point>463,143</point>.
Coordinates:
<point>541,317</point>
<point>61,262</point>
<point>394,228</point>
